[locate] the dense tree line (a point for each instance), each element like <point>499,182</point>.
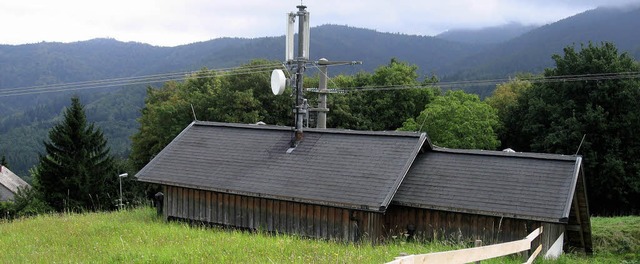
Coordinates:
<point>596,117</point>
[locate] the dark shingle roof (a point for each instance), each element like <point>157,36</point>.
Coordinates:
<point>334,167</point>
<point>519,185</point>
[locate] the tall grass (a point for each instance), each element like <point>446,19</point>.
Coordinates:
<point>138,236</point>
<point>615,240</point>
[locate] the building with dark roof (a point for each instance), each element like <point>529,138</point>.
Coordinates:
<point>354,185</point>
<point>508,194</point>
<point>9,184</point>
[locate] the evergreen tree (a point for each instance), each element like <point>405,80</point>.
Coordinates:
<point>77,171</point>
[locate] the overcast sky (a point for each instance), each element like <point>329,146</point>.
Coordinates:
<point>176,22</point>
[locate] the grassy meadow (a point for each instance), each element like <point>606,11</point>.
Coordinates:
<point>138,236</point>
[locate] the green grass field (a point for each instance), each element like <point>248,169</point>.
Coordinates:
<point>137,236</point>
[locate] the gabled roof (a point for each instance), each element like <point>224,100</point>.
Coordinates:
<point>518,185</point>
<point>11,181</point>
<point>340,168</point>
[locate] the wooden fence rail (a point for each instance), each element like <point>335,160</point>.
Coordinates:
<point>475,254</point>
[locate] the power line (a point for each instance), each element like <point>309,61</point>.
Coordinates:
<point>178,76</point>
<point>145,79</point>
<point>458,84</point>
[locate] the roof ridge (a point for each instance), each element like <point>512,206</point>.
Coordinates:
<point>396,185</point>
<point>534,155</point>
<point>345,168</point>
<point>312,130</point>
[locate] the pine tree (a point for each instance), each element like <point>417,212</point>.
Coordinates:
<point>77,171</point>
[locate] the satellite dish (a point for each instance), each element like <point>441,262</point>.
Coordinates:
<point>278,82</point>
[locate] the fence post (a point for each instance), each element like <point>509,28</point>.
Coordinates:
<point>478,243</point>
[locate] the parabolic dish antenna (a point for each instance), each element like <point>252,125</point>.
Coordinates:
<point>278,82</point>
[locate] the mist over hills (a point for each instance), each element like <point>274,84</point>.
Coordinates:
<point>489,35</point>
<point>456,55</point>
<point>531,52</point>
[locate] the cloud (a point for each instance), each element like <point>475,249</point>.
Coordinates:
<point>169,22</point>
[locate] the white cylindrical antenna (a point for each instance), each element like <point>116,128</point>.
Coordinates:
<point>321,120</point>
<point>306,37</point>
<point>291,19</point>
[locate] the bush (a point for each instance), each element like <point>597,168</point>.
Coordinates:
<point>28,202</point>
<point>6,210</point>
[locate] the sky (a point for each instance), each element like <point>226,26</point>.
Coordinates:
<point>178,22</point>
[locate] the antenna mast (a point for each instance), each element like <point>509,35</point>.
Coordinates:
<point>301,107</point>
<point>299,63</point>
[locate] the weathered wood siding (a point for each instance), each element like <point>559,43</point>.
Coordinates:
<point>270,215</point>
<point>579,226</point>
<point>442,225</point>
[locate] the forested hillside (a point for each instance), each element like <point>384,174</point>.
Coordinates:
<point>25,119</point>
<point>490,35</point>
<point>532,51</point>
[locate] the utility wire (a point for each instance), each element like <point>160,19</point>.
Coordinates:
<point>177,76</point>
<point>151,77</point>
<point>145,79</point>
<point>457,84</point>
<point>112,84</point>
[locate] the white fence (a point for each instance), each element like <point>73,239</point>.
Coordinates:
<point>475,254</point>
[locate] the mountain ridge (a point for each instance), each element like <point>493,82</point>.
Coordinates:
<point>536,46</point>
<point>487,35</point>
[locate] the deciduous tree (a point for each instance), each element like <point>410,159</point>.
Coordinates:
<point>391,95</point>
<point>504,99</point>
<point>457,120</point>
<point>229,97</point>
<point>602,106</point>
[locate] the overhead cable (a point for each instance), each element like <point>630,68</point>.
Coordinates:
<point>251,69</point>
<point>135,80</point>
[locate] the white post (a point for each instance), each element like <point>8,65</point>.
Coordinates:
<point>322,95</point>
<point>120,178</point>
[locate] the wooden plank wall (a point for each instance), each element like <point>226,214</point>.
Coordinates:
<point>460,227</point>
<point>549,235</point>
<point>271,215</point>
<point>579,233</point>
